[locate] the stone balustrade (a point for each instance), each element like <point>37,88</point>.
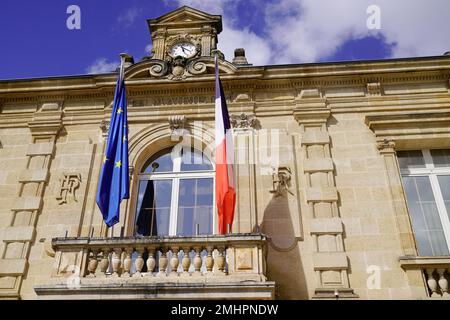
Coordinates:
<point>435,272</point>
<point>157,260</point>
<point>102,265</point>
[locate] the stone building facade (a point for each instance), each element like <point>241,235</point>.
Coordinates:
<point>341,178</point>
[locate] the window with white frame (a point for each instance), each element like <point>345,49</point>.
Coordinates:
<point>176,194</point>
<point>426,181</point>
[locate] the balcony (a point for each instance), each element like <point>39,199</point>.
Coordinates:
<point>433,271</point>
<point>198,267</point>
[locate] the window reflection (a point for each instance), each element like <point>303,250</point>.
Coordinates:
<point>195,207</point>
<point>160,162</point>
<point>176,194</point>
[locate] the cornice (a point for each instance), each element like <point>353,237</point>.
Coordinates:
<point>303,75</point>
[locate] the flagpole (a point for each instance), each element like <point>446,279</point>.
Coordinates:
<point>123,57</point>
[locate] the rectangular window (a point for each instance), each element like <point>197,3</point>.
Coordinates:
<point>426,181</point>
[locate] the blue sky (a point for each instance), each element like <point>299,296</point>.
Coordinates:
<point>37,43</point>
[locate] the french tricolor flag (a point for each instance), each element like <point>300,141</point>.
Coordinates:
<point>225,180</point>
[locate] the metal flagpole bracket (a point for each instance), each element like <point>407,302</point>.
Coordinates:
<point>218,53</point>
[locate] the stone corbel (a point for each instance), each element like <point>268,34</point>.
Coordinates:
<point>373,88</point>
<point>47,121</point>
<point>311,108</point>
<point>281,181</point>
<point>386,146</point>
<point>177,126</point>
<point>104,126</point>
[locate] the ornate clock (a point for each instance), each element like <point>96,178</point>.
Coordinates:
<point>183,49</point>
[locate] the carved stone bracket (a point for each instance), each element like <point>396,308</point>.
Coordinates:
<point>176,125</point>
<point>69,183</point>
<point>104,126</point>
<point>374,88</point>
<point>281,181</point>
<point>244,121</point>
<point>386,146</point>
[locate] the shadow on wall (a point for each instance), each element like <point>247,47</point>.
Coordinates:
<point>284,264</point>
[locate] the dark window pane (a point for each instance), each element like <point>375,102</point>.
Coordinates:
<point>410,188</point>
<point>159,162</point>
<point>425,218</point>
<point>423,243</point>
<point>154,201</point>
<point>444,183</point>
<point>194,160</point>
<point>410,159</point>
<point>441,157</point>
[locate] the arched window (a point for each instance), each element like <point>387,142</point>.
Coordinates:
<point>175,195</point>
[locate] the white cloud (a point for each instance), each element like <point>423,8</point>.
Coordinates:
<point>101,65</point>
<point>315,29</point>
<point>128,17</point>
<point>309,30</point>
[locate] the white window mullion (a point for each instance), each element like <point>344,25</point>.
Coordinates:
<point>441,207</point>
<point>175,195</point>
<point>174,207</point>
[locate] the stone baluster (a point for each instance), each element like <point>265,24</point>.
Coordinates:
<point>174,262</point>
<point>443,282</point>
<point>93,262</point>
<point>127,262</point>
<point>432,283</point>
<point>220,261</point>
<point>139,262</point>
<point>197,260</point>
<point>209,260</point>
<point>116,258</point>
<point>104,263</point>
<point>151,261</point>
<point>163,262</point>
<point>186,262</point>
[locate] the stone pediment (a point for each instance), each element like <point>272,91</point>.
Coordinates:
<point>186,16</point>
<point>177,69</point>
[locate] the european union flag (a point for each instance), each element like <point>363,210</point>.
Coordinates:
<point>114,183</point>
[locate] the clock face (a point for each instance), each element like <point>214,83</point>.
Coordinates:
<point>183,49</point>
